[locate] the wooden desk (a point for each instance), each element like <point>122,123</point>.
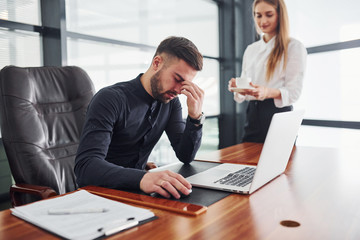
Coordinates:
<point>319,190</point>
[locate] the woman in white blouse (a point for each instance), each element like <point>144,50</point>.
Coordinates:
<point>275,64</point>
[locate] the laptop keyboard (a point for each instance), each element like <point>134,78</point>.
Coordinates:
<point>239,178</point>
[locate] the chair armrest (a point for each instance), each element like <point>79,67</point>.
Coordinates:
<point>40,191</point>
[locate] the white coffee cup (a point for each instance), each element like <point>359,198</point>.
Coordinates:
<point>243,82</point>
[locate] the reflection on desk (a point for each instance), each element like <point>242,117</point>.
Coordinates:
<point>319,190</point>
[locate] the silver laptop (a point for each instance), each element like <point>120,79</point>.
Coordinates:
<point>246,179</point>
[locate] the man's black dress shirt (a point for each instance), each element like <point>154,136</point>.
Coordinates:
<point>123,124</point>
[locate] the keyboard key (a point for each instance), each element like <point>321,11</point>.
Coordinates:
<point>239,178</point>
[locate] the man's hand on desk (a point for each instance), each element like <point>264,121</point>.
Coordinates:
<point>165,183</point>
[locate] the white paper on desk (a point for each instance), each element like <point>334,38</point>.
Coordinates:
<point>79,226</point>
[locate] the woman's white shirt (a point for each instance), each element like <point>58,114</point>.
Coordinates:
<point>289,81</point>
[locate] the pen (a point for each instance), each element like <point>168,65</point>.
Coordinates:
<point>118,226</point>
<point>64,211</point>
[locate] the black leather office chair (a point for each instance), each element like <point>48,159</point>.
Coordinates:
<point>42,111</point>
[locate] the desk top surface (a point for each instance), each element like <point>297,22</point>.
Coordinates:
<point>317,198</point>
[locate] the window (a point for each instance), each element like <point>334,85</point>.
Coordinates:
<point>17,47</point>
<point>107,63</point>
<point>331,86</point>
<point>322,22</point>
<point>332,74</point>
<point>24,11</point>
<point>147,21</point>
<point>21,48</point>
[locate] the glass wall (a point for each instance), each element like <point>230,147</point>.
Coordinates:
<point>331,86</point>
<point>17,47</point>
<point>107,63</point>
<point>21,48</point>
<point>332,78</point>
<point>322,21</point>
<point>147,21</point>
<point>23,11</point>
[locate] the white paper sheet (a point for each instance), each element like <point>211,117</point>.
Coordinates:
<point>79,226</point>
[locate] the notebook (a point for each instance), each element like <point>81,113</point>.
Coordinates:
<point>246,179</point>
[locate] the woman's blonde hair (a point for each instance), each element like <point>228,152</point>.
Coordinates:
<point>281,39</point>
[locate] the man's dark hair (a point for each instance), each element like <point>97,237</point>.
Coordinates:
<point>182,48</point>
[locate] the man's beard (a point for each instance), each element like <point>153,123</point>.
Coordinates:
<point>156,89</point>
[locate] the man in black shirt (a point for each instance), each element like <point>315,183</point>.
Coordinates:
<point>124,122</point>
